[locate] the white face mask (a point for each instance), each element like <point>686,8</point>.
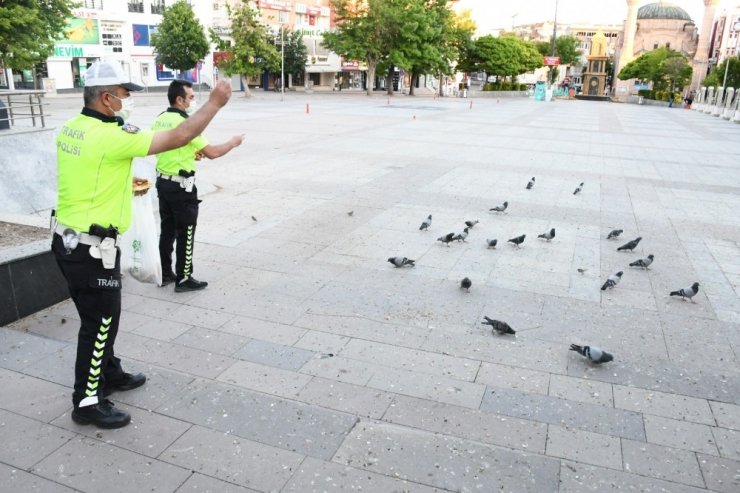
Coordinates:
<point>193,107</point>
<point>127,107</point>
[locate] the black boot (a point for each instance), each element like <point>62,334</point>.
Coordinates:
<point>103,415</point>
<point>189,284</point>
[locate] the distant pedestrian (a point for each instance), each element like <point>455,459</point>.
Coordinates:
<point>671,97</point>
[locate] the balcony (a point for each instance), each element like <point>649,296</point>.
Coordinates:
<point>136,7</point>
<point>158,7</point>
<point>93,4</point>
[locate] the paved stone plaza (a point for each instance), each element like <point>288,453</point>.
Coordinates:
<point>311,364</point>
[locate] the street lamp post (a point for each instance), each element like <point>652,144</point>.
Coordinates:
<point>736,28</point>
<point>554,44</point>
<point>282,62</point>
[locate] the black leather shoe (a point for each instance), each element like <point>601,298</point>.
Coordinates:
<point>127,382</point>
<point>190,284</point>
<point>168,279</point>
<point>102,415</point>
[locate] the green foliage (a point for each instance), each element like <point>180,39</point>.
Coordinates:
<point>566,47</point>
<point>416,35</point>
<point>506,56</point>
<point>180,41</point>
<point>717,75</point>
<point>253,50</point>
<point>29,29</point>
<point>665,68</point>
<point>295,52</point>
<point>504,86</point>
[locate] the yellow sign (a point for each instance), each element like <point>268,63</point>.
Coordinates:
<point>81,32</point>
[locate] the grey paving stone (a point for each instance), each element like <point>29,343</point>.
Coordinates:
<point>49,325</point>
<point>353,399</point>
<point>662,376</point>
<point>447,419</point>
<point>281,423</point>
<point>728,442</point>
<point>263,330</point>
<point>263,378</point>
<point>19,350</point>
<point>200,483</point>
<point>552,410</point>
<point>161,386</point>
<point>660,462</point>
<point>321,342</point>
<point>726,415</point>
<point>576,478</point>
<point>171,356</point>
<point>83,462</point>
<point>508,377</point>
<point>57,367</point>
<point>680,434</point>
<point>581,390</point>
<point>211,340</point>
<point>663,404</point>
<point>26,441</point>
<point>583,446</point>
<point>317,476</point>
<point>341,369</point>
<point>444,462</point>
<point>200,317</point>
<point>32,397</point>
<point>271,354</point>
<point>720,474</point>
<point>233,459</point>
<point>148,433</point>
<point>12,479</point>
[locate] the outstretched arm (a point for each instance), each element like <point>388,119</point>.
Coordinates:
<point>216,151</point>
<point>193,126</point>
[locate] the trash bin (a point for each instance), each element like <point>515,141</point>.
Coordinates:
<point>4,122</point>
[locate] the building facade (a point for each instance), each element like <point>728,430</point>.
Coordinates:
<point>121,30</point>
<point>724,41</point>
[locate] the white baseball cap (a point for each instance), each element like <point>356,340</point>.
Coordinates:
<point>109,74</point>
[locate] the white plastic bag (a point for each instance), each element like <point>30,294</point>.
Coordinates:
<point>140,244</point>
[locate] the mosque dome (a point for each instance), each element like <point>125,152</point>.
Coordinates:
<point>662,10</point>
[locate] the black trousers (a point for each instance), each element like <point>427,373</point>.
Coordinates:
<point>96,292</point>
<point>178,211</point>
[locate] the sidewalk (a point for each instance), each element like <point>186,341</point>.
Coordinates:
<point>310,364</point>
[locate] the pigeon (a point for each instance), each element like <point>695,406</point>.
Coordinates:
<point>350,213</point>
<point>470,224</point>
<point>594,354</point>
<point>613,234</point>
<point>498,326</point>
<point>463,235</point>
<point>582,270</point>
<point>643,262</point>
<point>447,239</point>
<point>465,284</point>
<point>612,281</point>
<point>578,189</point>
<point>426,223</point>
<point>630,245</point>
<point>549,235</point>
<point>530,184</point>
<point>492,243</point>
<point>518,240</point>
<point>689,292</point>
<point>254,219</point>
<point>500,208</point>
<point>401,261</point>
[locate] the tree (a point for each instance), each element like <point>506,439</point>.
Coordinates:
<point>717,76</point>
<point>566,48</point>
<point>29,29</point>
<point>506,56</point>
<point>180,41</point>
<point>660,68</point>
<point>295,52</point>
<point>253,50</point>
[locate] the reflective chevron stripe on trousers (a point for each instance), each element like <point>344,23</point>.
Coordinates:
<point>178,212</point>
<point>96,293</point>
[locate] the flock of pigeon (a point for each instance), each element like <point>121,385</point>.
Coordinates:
<point>592,353</point>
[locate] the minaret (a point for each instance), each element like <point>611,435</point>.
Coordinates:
<point>701,59</point>
<point>628,48</point>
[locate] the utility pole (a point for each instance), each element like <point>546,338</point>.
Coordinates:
<point>282,62</point>
<point>553,46</point>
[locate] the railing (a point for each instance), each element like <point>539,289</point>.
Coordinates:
<point>718,101</point>
<point>93,4</point>
<point>21,105</point>
<point>158,7</point>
